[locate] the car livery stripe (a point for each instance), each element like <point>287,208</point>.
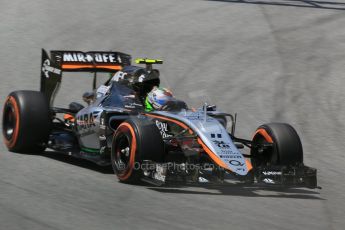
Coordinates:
<point>249,165</point>
<point>90,150</point>
<point>74,66</point>
<point>129,171</point>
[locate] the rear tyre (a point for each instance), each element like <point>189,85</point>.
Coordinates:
<point>286,149</point>
<point>134,141</point>
<point>26,122</point>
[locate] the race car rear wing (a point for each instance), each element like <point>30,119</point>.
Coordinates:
<point>76,61</point>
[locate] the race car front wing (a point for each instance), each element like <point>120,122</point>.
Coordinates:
<point>276,176</point>
<point>296,176</point>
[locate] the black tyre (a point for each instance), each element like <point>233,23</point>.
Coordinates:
<point>26,122</point>
<point>134,141</point>
<point>286,149</point>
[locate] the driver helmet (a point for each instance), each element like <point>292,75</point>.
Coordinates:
<point>157,98</point>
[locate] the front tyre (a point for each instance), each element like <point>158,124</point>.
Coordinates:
<point>135,140</point>
<point>286,146</point>
<point>26,121</point>
<point>123,153</point>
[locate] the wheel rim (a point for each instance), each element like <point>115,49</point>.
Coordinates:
<point>122,153</point>
<point>265,157</point>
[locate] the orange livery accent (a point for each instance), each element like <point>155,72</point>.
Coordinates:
<point>264,133</point>
<point>249,165</point>
<point>86,66</point>
<point>11,143</point>
<point>218,161</point>
<point>213,156</point>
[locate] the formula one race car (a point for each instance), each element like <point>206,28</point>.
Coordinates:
<point>177,144</point>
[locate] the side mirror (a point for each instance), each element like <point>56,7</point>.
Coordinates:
<point>89,97</point>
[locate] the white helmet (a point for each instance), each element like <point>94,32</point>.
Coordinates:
<point>157,98</point>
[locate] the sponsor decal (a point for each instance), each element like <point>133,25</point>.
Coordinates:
<point>46,68</point>
<point>228,152</point>
<point>221,144</point>
<point>230,156</point>
<point>236,163</point>
<point>271,173</point>
<point>163,128</point>
<point>102,124</point>
<point>197,116</point>
<point>268,181</point>
<point>160,173</point>
<point>240,169</point>
<point>119,76</point>
<point>141,78</point>
<point>94,57</point>
<point>132,105</point>
<point>86,121</point>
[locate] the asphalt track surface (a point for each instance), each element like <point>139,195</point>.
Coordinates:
<point>266,60</point>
